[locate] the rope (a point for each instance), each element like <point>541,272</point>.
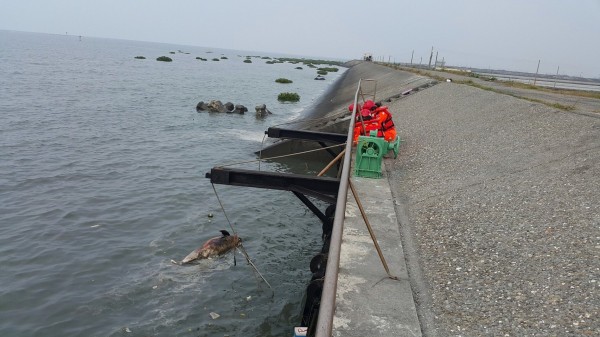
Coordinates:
<point>283,156</point>
<point>223,208</point>
<point>312,120</point>
<point>261,148</point>
<point>241,246</point>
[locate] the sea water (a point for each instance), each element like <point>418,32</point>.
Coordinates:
<point>102,182</point>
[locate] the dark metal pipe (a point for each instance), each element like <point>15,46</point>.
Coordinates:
<point>327,307</point>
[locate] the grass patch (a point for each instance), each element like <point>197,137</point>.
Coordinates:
<point>140,57</point>
<point>562,106</point>
<point>311,61</point>
<point>329,69</point>
<point>535,100</point>
<point>247,61</point>
<point>216,59</point>
<point>288,97</point>
<point>590,94</point>
<point>201,59</point>
<point>321,72</point>
<point>283,80</point>
<point>571,92</point>
<point>514,84</point>
<point>164,59</point>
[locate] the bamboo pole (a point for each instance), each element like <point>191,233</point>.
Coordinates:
<point>364,215</point>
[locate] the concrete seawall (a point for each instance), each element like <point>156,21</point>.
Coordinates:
<point>497,206</point>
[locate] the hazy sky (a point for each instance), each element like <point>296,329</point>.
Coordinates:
<point>501,34</point>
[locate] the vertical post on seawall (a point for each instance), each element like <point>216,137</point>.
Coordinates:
<point>536,72</point>
<point>430,57</point>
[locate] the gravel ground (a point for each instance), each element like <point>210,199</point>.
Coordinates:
<point>499,205</point>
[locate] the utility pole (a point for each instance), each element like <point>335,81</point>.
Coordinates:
<point>556,76</point>
<point>435,64</point>
<point>536,73</point>
<point>430,57</point>
<point>411,56</point>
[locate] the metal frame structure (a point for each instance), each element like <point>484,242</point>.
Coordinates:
<point>336,138</point>
<point>331,190</point>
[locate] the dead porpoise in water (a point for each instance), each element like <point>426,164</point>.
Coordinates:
<point>216,246</point>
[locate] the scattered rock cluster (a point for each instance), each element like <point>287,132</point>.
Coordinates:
<point>218,106</point>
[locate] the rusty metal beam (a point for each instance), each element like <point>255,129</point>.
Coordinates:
<point>323,188</point>
<point>316,211</point>
<point>318,136</point>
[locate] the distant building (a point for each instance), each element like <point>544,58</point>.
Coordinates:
<point>368,57</point>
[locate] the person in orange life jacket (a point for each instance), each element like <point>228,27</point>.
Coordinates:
<point>383,118</point>
<point>358,127</point>
<point>367,125</point>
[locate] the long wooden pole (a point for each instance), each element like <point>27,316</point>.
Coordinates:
<point>335,160</point>
<point>364,215</point>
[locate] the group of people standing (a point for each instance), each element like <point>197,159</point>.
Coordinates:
<point>373,116</point>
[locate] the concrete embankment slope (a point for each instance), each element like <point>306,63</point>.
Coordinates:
<point>341,94</point>
<point>330,113</point>
<point>498,203</point>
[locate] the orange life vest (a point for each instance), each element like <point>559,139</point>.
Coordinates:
<point>384,117</point>
<point>380,120</point>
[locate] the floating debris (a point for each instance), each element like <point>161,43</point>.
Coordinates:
<point>214,315</point>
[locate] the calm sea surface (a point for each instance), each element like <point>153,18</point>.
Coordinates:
<point>102,163</point>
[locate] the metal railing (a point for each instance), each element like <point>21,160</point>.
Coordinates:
<point>327,307</point>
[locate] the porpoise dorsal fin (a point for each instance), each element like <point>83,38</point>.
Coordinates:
<point>224,232</point>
